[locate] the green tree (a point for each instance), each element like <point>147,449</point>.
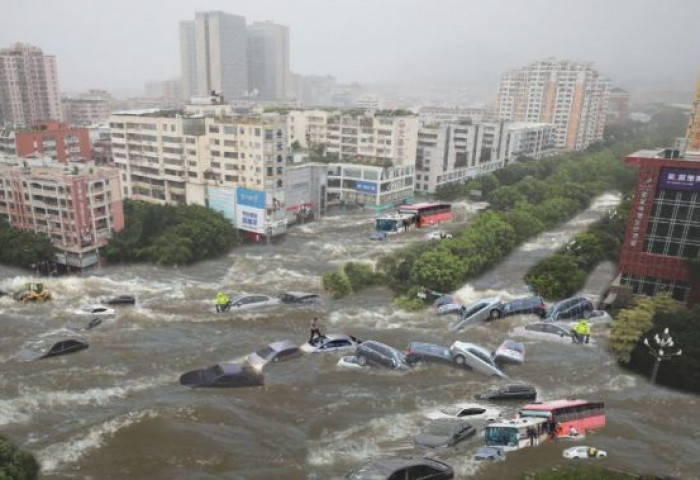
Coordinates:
<point>505,197</point>
<point>629,326</point>
<point>337,283</point>
<point>524,223</point>
<point>556,277</point>
<point>360,275</point>
<point>437,270</point>
<point>586,250</point>
<point>16,464</point>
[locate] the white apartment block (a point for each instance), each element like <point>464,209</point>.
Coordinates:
<point>85,111</point>
<point>450,153</point>
<point>169,157</point>
<point>28,86</point>
<point>370,187</point>
<point>571,96</point>
<point>451,114</point>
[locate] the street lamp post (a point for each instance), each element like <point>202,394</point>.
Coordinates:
<point>660,351</point>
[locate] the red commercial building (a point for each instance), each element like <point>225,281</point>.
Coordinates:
<point>57,140</point>
<point>664,225</point>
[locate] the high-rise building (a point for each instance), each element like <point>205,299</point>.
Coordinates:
<point>571,96</point>
<point>28,86</point>
<point>78,206</point>
<point>663,230</point>
<point>58,140</point>
<point>692,133</point>
<point>618,106</point>
<point>214,55</point>
<point>268,61</point>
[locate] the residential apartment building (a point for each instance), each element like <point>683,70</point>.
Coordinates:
<point>172,157</point>
<point>79,205</point>
<point>57,140</point>
<point>214,55</point>
<point>692,132</point>
<point>268,61</point>
<point>571,96</point>
<point>663,230</point>
<point>29,90</point>
<point>452,153</point>
<point>451,114</point>
<point>85,111</point>
<point>618,107</point>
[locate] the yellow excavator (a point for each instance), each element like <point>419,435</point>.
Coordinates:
<point>32,292</point>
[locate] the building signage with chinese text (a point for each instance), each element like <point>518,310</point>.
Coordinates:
<point>680,179</point>
<point>250,198</point>
<point>366,187</point>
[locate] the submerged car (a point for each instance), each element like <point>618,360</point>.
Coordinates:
<point>244,302</point>
<point>481,311</point>
<point>223,376</point>
<point>437,235</point>
<point>445,432</point>
<point>469,411</point>
<point>401,469</point>
<point>349,361</point>
<point>572,308</point>
<point>490,454</point>
<point>332,342</point>
<point>95,310</point>
<point>378,235</point>
<point>551,332</point>
<point>379,354</point>
<point>299,298</point>
<point>511,391</point>
<point>274,352</point>
<point>599,317</point>
<point>476,357</point>
<point>509,351</point>
<point>418,352</point>
<point>120,300</point>
<point>534,305</point>
<point>50,347</point>
<point>86,326</point>
<point>575,453</point>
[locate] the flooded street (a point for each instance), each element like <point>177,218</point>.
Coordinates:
<point>116,410</point>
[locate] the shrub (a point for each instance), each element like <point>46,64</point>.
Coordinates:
<point>16,464</point>
<point>337,283</point>
<point>360,275</point>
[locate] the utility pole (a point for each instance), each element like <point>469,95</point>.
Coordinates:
<point>663,341</point>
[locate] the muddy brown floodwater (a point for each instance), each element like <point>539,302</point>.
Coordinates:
<point>117,411</point>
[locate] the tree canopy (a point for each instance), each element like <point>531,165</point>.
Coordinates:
<point>21,248</point>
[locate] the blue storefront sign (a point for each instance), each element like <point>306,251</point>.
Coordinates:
<point>368,187</point>
<point>680,179</point>
<point>250,198</point>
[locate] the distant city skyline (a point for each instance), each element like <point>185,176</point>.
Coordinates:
<point>449,42</point>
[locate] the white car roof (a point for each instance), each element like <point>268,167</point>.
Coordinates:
<point>470,346</point>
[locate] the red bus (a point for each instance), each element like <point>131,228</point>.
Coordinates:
<point>580,414</point>
<point>428,214</point>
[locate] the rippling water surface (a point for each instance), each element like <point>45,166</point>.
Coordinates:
<point>117,411</point>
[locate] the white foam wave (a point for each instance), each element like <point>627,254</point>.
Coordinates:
<point>72,450</point>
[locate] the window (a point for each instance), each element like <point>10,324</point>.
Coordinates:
<point>213,129</point>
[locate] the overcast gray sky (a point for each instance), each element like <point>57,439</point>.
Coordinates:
<point>122,44</point>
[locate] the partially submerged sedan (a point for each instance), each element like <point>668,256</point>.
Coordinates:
<point>50,347</point>
<point>509,351</point>
<point>95,310</point>
<point>223,376</point>
<point>468,411</point>
<point>332,342</point>
<point>401,469</point>
<point>548,331</point>
<point>445,432</point>
<point>476,357</point>
<point>299,298</point>
<point>245,302</point>
<point>481,311</point>
<point>274,352</point>
<point>511,391</point>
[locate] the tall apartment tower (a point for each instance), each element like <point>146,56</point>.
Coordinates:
<point>268,60</point>
<point>28,86</point>
<point>213,54</point>
<point>571,96</point>
<point>692,133</point>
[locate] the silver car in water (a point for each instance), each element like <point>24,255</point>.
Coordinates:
<point>481,311</point>
<point>476,357</point>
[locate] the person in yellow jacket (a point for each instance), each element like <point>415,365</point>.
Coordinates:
<point>222,302</point>
<point>582,331</point>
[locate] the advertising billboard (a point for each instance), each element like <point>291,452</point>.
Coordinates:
<point>369,187</point>
<point>250,210</point>
<point>680,179</point>
<point>223,199</point>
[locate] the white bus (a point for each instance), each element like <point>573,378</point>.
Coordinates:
<point>513,434</point>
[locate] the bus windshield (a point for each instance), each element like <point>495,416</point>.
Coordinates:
<point>385,224</point>
<point>502,436</point>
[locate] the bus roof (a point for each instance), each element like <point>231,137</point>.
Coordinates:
<point>518,422</point>
<point>553,404</point>
<point>420,206</point>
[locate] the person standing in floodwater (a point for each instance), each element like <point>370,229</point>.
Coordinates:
<point>315,330</point>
